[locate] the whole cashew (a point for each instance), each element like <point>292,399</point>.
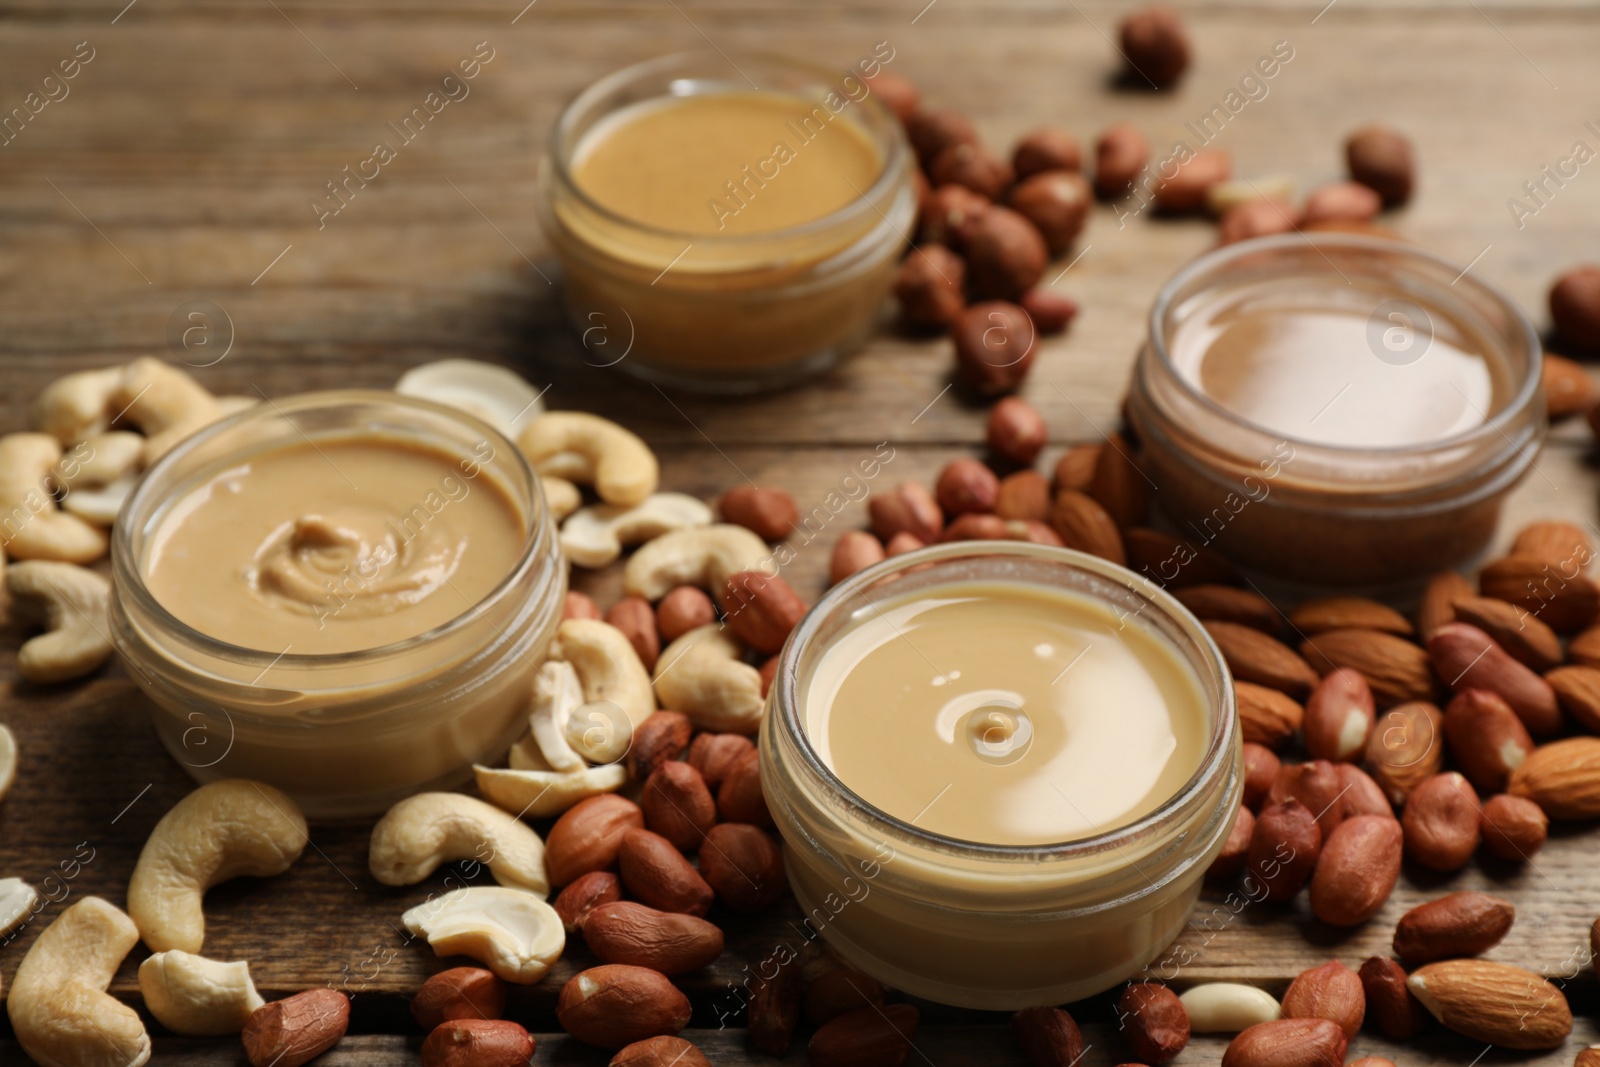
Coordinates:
<point>78,405</point>
<point>99,474</point>
<point>624,469</point>
<point>421,832</point>
<point>607,666</point>
<point>190,994</point>
<point>220,831</point>
<point>71,602</point>
<point>701,675</point>
<point>707,557</point>
<point>497,395</point>
<point>164,402</point>
<point>516,934</point>
<point>556,691</point>
<point>31,525</point>
<point>542,793</point>
<point>59,1006</point>
<point>594,536</point>
<point>17,900</point>
<point>560,496</point>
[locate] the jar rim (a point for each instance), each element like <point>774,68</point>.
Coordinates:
<point>1494,426</point>
<point>128,570</point>
<point>895,157</point>
<point>787,703</point>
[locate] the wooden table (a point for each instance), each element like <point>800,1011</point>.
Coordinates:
<point>182,164</point>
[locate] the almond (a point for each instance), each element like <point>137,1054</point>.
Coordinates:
<point>297,1029</point>
<point>586,892</point>
<point>1118,483</point>
<point>739,799</point>
<point>1399,1015</point>
<point>1494,1002</point>
<point>1155,1023</point>
<point>1260,768</point>
<point>1347,613</point>
<point>1442,822</point>
<point>768,513</point>
<point>856,550</point>
<point>760,609</point>
<point>1086,526</point>
<point>587,836</point>
<point>1460,924</point>
<point>477,1043</point>
<point>907,508</point>
<point>1485,737</point>
<point>1578,692</point>
<point>1562,777</point>
<point>1266,716</point>
<point>686,608</point>
<point>1357,871</point>
<point>1396,669</point>
<point>1023,495</point>
<point>1439,598</point>
<point>1075,468</point>
<point>1557,592</point>
<point>1584,648</point>
<point>1230,860</point>
<point>1514,828</point>
<point>1587,1057</point>
<point>774,1009</point>
<point>743,866</point>
<point>1467,658</point>
<point>1222,603</point>
<point>672,943</point>
<point>1554,542</point>
<point>838,991</point>
<point>661,737</point>
<point>871,1037</point>
<point>459,993</point>
<point>1283,849</point>
<point>1339,716</point>
<point>657,873</point>
<point>1331,991</point>
<point>662,1051</point>
<point>1288,1043</point>
<point>1049,1037</point>
<point>1405,749</point>
<point>1253,656</point>
<point>714,755</point>
<point>1526,639</point>
<point>1167,561</point>
<point>677,805</point>
<point>614,1005</point>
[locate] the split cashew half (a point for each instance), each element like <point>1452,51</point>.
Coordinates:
<point>541,793</point>
<point>70,601</point>
<point>624,470</point>
<point>165,403</point>
<point>560,496</point>
<point>495,394</point>
<point>17,900</point>
<point>59,1006</point>
<point>594,536</point>
<point>99,474</point>
<point>701,675</point>
<point>607,665</point>
<point>220,831</point>
<point>556,691</point>
<point>706,556</point>
<point>31,524</point>
<point>516,934</point>
<point>78,405</point>
<point>190,994</point>
<point>421,832</point>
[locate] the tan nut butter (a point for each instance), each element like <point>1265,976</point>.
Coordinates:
<point>336,546</point>
<point>1006,714</point>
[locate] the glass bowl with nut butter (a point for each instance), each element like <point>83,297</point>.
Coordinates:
<point>1335,409</point>
<point>1000,770</point>
<point>343,594</point>
<point>727,228</point>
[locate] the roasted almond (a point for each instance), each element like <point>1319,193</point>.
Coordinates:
<point>1464,657</point>
<point>743,865</point>
<point>614,1005</point>
<point>459,993</point>
<point>1266,716</point>
<point>1347,613</point>
<point>837,992</point>
<point>1406,748</point>
<point>677,805</point>
<point>1085,525</point>
<point>1331,991</point>
<point>1339,716</point>
<point>1438,605</point>
<point>1485,737</point>
<point>1398,1015</point>
<point>585,893</point>
<point>1562,777</point>
<point>658,874</point>
<point>1357,871</point>
<point>1494,1002</point>
<point>661,737</point>
<point>1553,541</point>
<point>1514,828</point>
<point>1526,639</point>
<point>1467,923</point>
<point>1288,1043</point>
<point>1396,669</point>
<point>1154,1022</point>
<point>1442,822</point>
<point>1075,468</point>
<point>1024,495</point>
<point>672,943</point>
<point>1578,692</point>
<point>871,1037</point>
<point>1255,657</point>
<point>1118,483</point>
<point>1584,647</point>
<point>477,1043</point>
<point>1049,1037</point>
<point>1223,603</point>
<point>664,1051</point>
<point>1174,563</point>
<point>587,836</point>
<point>296,1029</point>
<point>1283,849</point>
<point>1557,592</point>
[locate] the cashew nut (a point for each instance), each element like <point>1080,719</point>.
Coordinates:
<point>1228,1007</point>
<point>190,994</point>
<point>164,402</point>
<point>706,556</point>
<point>701,675</point>
<point>99,475</point>
<point>59,1006</point>
<point>71,603</point>
<point>617,461</point>
<point>8,760</point>
<point>600,731</point>
<point>17,900</point>
<point>498,396</point>
<point>556,691</point>
<point>607,666</point>
<point>539,792</point>
<point>594,536</point>
<point>516,934</point>
<point>421,832</point>
<point>220,831</point>
<point>31,525</point>
<point>78,405</point>
<point>560,496</point>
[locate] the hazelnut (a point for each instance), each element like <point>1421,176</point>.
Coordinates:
<point>899,95</point>
<point>1051,312</point>
<point>1575,306</point>
<point>1381,158</point>
<point>1046,148</point>
<point>929,286</point>
<point>1057,202</point>
<point>1256,218</point>
<point>1120,153</point>
<point>1023,495</point>
<point>1186,189</point>
<point>1155,46</point>
<point>972,166</point>
<point>856,550</point>
<point>966,485</point>
<point>995,346</point>
<point>951,211</point>
<point>1341,202</point>
<point>931,132</point>
<point>907,508</point>
<point>1006,254</point>
<point>1016,430</point>
<point>685,608</point>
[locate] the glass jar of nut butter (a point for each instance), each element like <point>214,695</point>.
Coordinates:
<point>1334,409</point>
<point>727,225</point>
<point>1000,770</point>
<point>343,594</point>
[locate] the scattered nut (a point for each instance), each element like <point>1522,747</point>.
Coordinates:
<point>973,166</point>
<point>1046,148</point>
<point>1398,1014</point>
<point>907,508</point>
<point>619,464</point>
<point>1283,849</point>
<point>35,527</point>
<point>1057,203</point>
<point>1381,159</point>
<point>1494,1002</point>
<point>70,602</point>
<point>190,994</point>
<point>165,403</point>
<point>664,1051</point>
<point>995,347</point>
<point>586,893</point>
<point>966,485</point>
<point>614,1005</point>
<point>1331,991</point>
<point>1458,924</point>
<point>870,1037</point>
<point>297,1029</point>
<point>1006,254</point>
<point>1023,495</point>
<point>1341,202</point>
<point>658,874</point>
<point>1485,738</point>
<point>1441,822</point>
<point>594,536</point>
<point>1288,1043</point>
<point>1155,46</point>
<point>774,1009</point>
<point>1514,828</point>
<point>1121,154</point>
<point>760,609</point>
<point>589,836</point>
<point>856,550</point>
<point>714,755</point>
<point>768,513</point>
<point>701,675</point>
<point>1051,312</point>
<point>1194,174</point>
<point>477,1043</point>
<point>739,799</point>
<point>495,394</point>
<point>1228,1007</point>
<point>423,831</point>
<point>1016,431</point>
<point>1154,1022</point>
<point>931,132</point>
<point>1575,306</point>
<point>683,609</point>
<point>1357,870</point>
<point>1339,716</point>
<point>677,805</point>
<point>459,993</point>
<point>1256,218</point>
<point>512,932</point>
<point>578,605</point>
<point>950,212</point>
<point>743,865</point>
<point>662,737</point>
<point>706,557</point>
<point>670,942</point>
